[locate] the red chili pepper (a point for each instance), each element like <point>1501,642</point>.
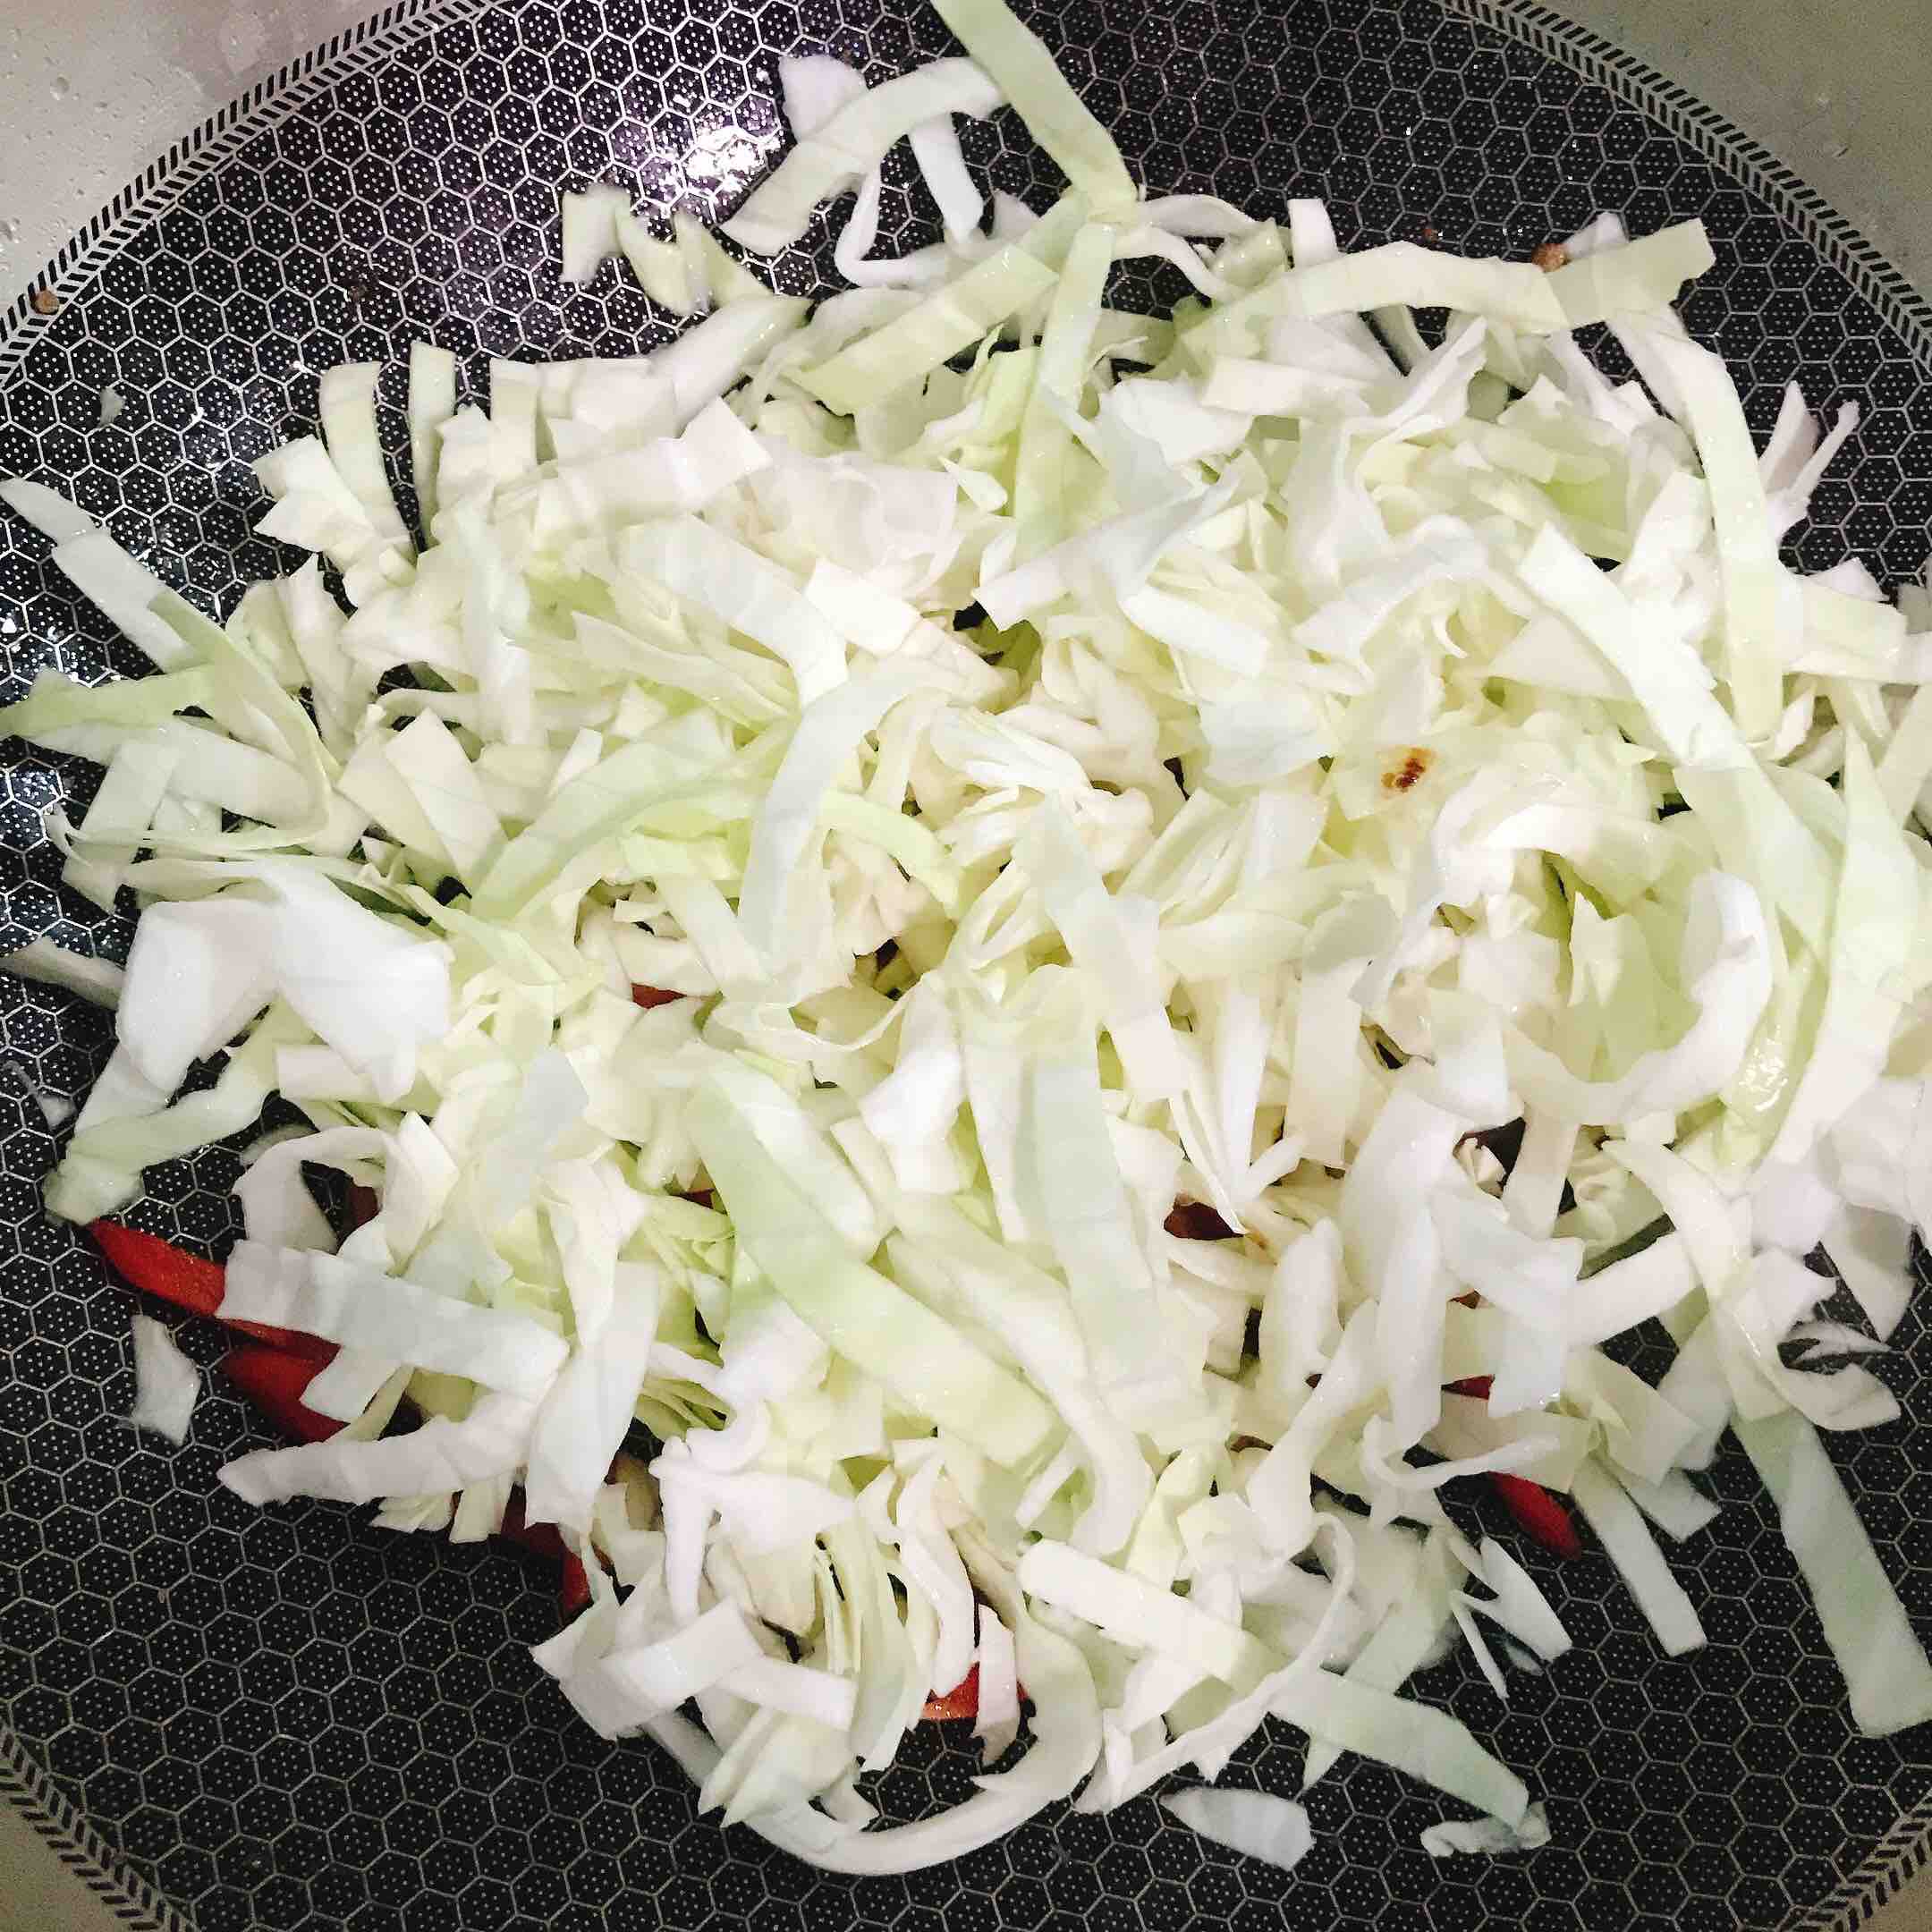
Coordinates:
<point>1193,1220</point>
<point>541,1540</point>
<point>1538,1514</point>
<point>276,1381</point>
<point>189,1282</point>
<point>363,1203</point>
<point>962,1700</point>
<point>148,1262</point>
<point>652,995</point>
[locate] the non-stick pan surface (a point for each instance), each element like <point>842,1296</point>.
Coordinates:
<point>280,1719</point>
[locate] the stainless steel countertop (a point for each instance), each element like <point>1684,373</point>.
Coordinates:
<point>94,90</point>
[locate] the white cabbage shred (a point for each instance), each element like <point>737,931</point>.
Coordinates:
<point>1276,1830</point>
<point>1049,765</point>
<point>166,1382</point>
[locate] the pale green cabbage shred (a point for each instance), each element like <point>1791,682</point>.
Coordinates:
<point>1065,763</point>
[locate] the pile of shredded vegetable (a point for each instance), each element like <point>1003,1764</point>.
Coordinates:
<point>1048,764</point>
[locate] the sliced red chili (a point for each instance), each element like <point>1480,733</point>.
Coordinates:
<point>364,1203</point>
<point>652,995</point>
<point>159,1268</point>
<point>962,1700</point>
<point>541,1540</point>
<point>276,1381</point>
<point>189,1282</point>
<point>1193,1220</point>
<point>1538,1514</point>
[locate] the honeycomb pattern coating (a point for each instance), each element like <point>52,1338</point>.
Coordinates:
<point>287,1718</point>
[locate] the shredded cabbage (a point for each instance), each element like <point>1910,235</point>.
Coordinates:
<point>1886,1674</point>
<point>851,141</point>
<point>166,1382</point>
<point>946,904</point>
<point>1274,1830</point>
<point>1026,74</point>
<point>97,980</point>
<point>1456,1837</point>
